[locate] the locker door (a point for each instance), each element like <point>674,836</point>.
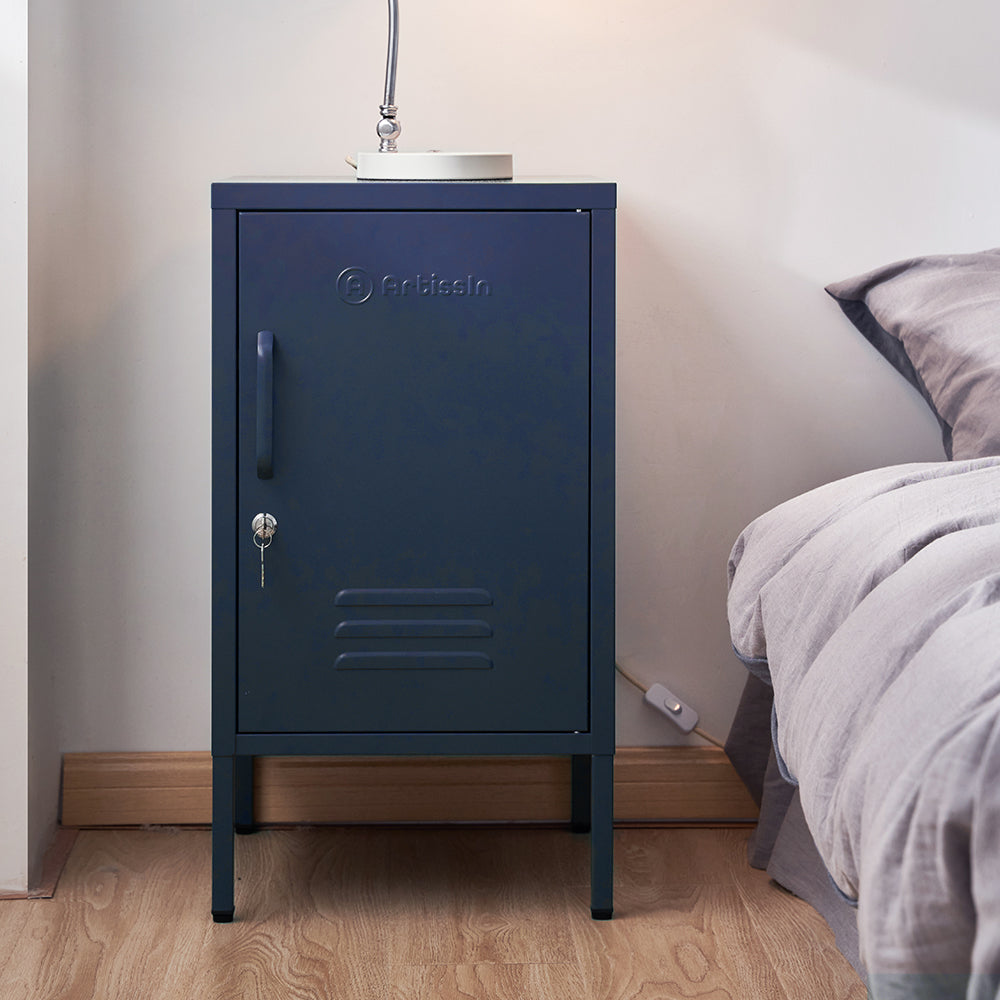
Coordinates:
<point>420,431</point>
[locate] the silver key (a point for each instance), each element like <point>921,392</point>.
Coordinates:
<point>263,527</point>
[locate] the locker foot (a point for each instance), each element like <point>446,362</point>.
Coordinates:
<point>601,914</point>
<point>245,830</point>
<point>222,916</point>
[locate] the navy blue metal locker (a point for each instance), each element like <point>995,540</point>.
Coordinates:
<point>413,481</point>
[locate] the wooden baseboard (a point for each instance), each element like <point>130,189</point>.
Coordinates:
<point>652,785</point>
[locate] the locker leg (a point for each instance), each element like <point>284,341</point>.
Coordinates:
<point>223,868</point>
<point>244,794</point>
<point>580,793</point>
<point>602,836</point>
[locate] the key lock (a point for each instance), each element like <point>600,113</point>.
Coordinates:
<point>263,526</point>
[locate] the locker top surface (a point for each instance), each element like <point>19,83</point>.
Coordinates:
<point>302,194</point>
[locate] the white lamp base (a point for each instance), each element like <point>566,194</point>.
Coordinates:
<point>435,166</point>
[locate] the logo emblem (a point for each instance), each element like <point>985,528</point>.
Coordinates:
<point>354,286</point>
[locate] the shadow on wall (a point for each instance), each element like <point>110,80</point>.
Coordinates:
<point>692,437</point>
<point>729,365</point>
<point>120,418</point>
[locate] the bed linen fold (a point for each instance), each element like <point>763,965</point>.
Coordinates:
<point>872,607</point>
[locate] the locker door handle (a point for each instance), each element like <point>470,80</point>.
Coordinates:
<point>265,404</point>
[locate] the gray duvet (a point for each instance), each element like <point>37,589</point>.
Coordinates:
<point>872,605</point>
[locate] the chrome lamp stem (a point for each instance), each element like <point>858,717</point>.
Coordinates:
<point>388,128</point>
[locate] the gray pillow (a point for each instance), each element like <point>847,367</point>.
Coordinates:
<point>937,321</point>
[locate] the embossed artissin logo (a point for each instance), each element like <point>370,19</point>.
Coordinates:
<point>355,285</point>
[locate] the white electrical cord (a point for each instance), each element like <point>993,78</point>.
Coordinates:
<point>674,706</point>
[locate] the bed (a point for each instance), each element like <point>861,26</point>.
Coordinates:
<point>867,614</point>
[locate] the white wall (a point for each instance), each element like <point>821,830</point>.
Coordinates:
<point>762,150</point>
<point>14,822</point>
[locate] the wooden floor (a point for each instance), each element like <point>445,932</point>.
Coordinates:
<point>367,913</point>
